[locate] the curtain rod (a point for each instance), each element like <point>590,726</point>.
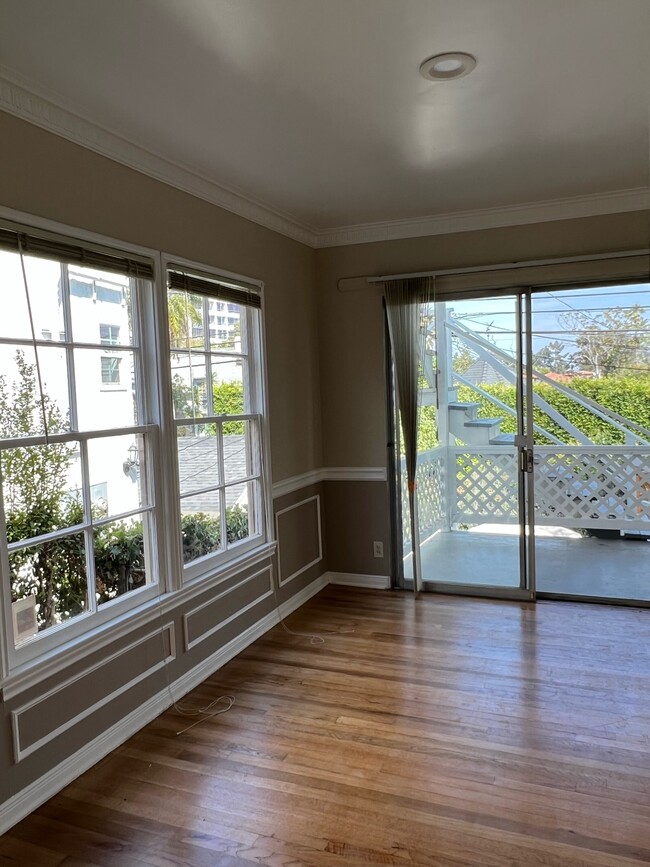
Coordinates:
<point>510,266</point>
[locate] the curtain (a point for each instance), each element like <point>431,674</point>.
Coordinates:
<point>403,299</point>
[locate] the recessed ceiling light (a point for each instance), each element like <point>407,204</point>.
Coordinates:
<point>451,64</point>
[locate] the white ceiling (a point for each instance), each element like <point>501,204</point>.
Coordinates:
<point>315,108</point>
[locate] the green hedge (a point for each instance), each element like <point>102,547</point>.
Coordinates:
<point>55,571</point>
<point>629,397</point>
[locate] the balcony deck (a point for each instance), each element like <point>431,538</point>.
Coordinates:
<point>566,563</point>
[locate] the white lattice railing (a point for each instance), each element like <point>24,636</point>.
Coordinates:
<point>591,487</point>
<point>430,476</point>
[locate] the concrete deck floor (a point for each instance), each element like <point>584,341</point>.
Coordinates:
<point>569,565</point>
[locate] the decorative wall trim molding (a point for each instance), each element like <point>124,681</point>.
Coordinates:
<point>350,579</point>
<point>22,99</point>
<point>354,474</point>
<point>129,621</point>
<point>282,581</point>
<point>329,474</point>
<point>616,202</point>
<point>21,753</point>
<point>26,100</point>
<point>295,483</point>
<point>189,644</point>
<point>24,802</point>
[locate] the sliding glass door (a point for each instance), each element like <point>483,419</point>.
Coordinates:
<point>533,472</point>
<point>473,452</point>
<point>591,357</point>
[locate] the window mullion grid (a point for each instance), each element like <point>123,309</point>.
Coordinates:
<point>7,645</point>
<point>142,403</point>
<point>89,543</point>
<point>222,482</point>
<point>69,347</point>
<point>89,539</point>
<point>255,502</point>
<point>208,357</point>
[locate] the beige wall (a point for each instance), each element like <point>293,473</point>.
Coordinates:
<point>48,176</point>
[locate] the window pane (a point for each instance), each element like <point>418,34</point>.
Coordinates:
<point>188,385</point>
<point>227,327</point>
<point>185,316</point>
<point>21,408</point>
<point>120,561</point>
<point>238,450</point>
<point>99,301</point>
<point>43,283</point>
<point>105,388</point>
<point>200,525</point>
<point>117,473</point>
<point>198,458</point>
<point>239,517</point>
<point>41,489</point>
<point>54,573</point>
<point>229,386</point>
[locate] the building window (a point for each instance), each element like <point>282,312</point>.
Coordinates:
<point>76,530</point>
<point>109,334</point>
<point>219,427</point>
<point>111,370</point>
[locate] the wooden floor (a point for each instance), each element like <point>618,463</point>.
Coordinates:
<point>442,731</point>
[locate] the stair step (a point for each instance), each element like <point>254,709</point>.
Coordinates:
<point>483,422</point>
<point>463,406</point>
<point>504,439</point>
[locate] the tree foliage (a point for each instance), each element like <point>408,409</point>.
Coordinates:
<point>616,341</point>
<point>183,313</point>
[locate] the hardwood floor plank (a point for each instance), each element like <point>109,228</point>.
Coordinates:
<point>440,732</point>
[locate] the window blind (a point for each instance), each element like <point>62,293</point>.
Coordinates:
<point>50,246</point>
<point>245,294</point>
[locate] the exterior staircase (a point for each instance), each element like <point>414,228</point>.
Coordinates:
<point>465,425</point>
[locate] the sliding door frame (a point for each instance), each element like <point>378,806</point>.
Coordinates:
<point>523,445</point>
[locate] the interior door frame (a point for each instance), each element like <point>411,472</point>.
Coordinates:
<point>524,454</point>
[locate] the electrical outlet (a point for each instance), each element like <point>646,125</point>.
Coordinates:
<point>378,549</point>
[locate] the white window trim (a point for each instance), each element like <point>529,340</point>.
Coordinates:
<point>206,567</point>
<point>44,643</point>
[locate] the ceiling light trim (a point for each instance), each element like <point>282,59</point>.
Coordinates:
<point>447,66</point>
<point>26,103</point>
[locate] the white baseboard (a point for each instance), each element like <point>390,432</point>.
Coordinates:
<point>351,579</point>
<point>26,801</point>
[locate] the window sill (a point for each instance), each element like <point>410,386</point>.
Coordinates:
<point>49,664</point>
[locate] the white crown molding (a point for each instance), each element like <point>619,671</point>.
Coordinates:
<point>23,99</point>
<point>595,205</point>
<point>26,103</point>
<point>328,474</point>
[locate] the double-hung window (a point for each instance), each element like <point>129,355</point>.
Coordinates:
<point>217,399</point>
<point>77,510</point>
<point>88,422</point>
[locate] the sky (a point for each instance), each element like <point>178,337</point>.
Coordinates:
<point>497,316</point>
